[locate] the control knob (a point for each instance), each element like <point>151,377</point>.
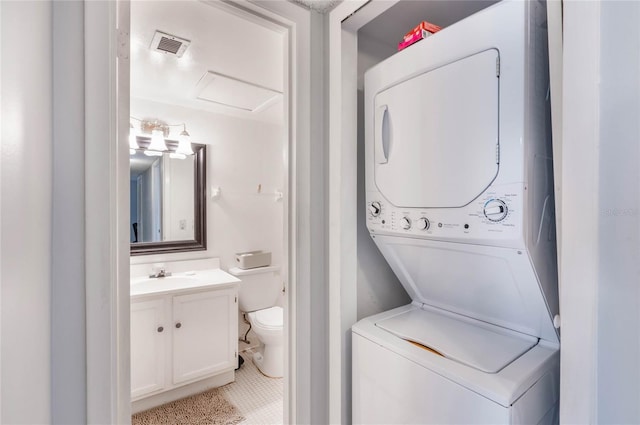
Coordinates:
<point>495,210</point>
<point>375,208</point>
<point>405,222</point>
<point>423,223</point>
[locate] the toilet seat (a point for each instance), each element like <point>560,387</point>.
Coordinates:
<point>268,319</point>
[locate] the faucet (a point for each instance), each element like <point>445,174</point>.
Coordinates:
<point>161,272</point>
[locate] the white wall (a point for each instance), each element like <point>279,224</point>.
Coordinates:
<point>600,271</point>
<point>241,156</point>
<point>370,53</point>
<point>619,210</point>
<point>378,287</point>
<point>26,173</point>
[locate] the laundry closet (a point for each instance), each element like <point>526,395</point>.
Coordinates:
<point>457,277</point>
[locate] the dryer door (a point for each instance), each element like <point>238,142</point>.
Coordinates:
<point>436,134</point>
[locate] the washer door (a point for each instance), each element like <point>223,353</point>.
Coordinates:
<point>436,134</point>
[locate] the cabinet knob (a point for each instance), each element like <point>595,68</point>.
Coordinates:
<point>160,328</point>
<point>178,325</point>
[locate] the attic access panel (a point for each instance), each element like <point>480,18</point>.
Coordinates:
<point>234,93</point>
<point>436,134</point>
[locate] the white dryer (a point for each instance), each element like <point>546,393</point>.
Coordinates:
<point>460,202</point>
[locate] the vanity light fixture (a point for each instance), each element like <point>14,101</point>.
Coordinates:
<point>158,133</point>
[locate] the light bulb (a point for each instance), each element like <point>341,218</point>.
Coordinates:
<point>184,144</point>
<point>157,143</point>
<point>177,156</point>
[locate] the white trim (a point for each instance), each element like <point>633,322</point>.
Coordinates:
<point>580,210</point>
<point>254,14</point>
<point>123,309</point>
<point>297,242</point>
<point>343,80</point>
<point>353,21</point>
<point>68,298</point>
<point>302,332</point>
<point>1,160</point>
<point>294,26</point>
<point>554,20</point>
<point>106,205</point>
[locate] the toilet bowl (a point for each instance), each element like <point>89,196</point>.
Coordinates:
<point>258,296</point>
<point>268,327</point>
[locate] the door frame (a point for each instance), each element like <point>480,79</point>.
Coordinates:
<point>344,22</point>
<point>107,33</point>
<point>572,54</point>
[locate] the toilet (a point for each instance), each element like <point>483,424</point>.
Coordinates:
<point>258,297</point>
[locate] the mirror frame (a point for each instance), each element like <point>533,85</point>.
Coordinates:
<point>199,243</point>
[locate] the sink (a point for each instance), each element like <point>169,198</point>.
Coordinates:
<point>141,286</point>
<point>161,284</point>
<point>172,280</point>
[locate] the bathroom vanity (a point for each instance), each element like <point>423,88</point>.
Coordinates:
<point>184,331</point>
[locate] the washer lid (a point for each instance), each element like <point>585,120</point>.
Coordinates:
<point>268,318</point>
<point>478,345</point>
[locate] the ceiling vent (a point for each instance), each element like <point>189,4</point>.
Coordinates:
<point>169,44</point>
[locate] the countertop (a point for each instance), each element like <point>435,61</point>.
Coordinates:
<point>179,282</point>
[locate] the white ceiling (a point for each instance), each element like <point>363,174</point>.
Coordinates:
<point>226,43</point>
<point>221,42</point>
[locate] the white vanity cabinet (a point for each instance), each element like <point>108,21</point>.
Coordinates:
<point>180,337</point>
<point>148,346</point>
<point>204,333</point>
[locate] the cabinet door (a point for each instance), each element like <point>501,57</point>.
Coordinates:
<point>204,334</point>
<point>148,346</point>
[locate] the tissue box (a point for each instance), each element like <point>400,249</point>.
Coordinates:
<point>253,259</point>
<point>411,38</point>
<point>422,31</point>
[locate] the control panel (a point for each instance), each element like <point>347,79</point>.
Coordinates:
<point>496,214</point>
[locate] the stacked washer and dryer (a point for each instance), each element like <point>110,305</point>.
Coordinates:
<point>459,191</point>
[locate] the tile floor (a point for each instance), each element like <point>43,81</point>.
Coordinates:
<point>258,397</point>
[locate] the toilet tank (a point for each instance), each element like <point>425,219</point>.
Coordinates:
<point>259,287</point>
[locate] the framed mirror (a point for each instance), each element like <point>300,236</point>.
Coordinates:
<point>168,202</point>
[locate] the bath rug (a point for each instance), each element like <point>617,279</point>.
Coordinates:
<point>207,408</point>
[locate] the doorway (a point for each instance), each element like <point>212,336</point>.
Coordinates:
<point>106,49</point>
<point>215,73</point>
